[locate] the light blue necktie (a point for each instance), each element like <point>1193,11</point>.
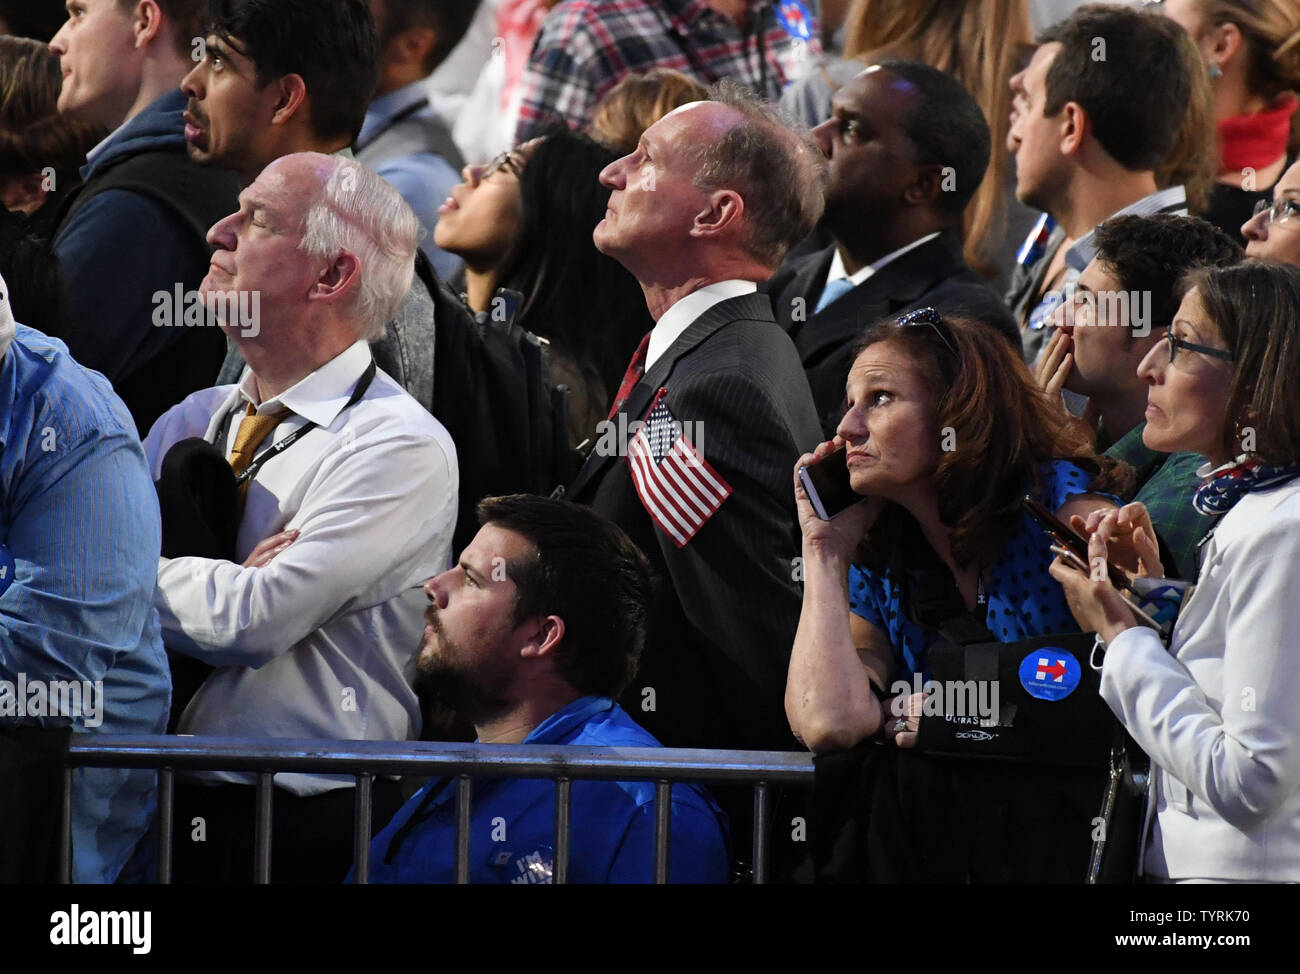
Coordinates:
<point>835,289</point>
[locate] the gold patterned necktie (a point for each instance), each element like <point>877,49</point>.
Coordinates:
<point>253,429</point>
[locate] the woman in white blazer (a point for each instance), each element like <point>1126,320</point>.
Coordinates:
<point>1219,710</point>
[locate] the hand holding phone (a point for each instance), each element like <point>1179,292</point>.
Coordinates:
<point>1074,549</point>
<point>827,485</point>
<point>1068,538</point>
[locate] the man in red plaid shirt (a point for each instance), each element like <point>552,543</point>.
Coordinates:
<point>585,47</point>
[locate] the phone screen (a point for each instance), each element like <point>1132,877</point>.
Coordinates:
<point>1070,539</point>
<point>827,485</point>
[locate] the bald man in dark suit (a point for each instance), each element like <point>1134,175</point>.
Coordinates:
<point>705,487</point>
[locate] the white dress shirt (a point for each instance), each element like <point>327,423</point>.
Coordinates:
<point>1217,711</point>
<point>321,642</point>
<point>837,269</point>
<point>678,318</point>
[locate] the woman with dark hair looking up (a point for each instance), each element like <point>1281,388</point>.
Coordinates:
<point>523,223</point>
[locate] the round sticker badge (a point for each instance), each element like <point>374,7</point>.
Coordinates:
<point>795,19</point>
<point>1050,673</point>
<point>6,569</point>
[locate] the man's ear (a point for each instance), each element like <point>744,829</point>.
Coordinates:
<point>549,633</point>
<point>338,278</point>
<point>725,209</point>
<point>926,187</point>
<point>147,21</point>
<point>414,44</point>
<point>1075,126</point>
<point>290,98</point>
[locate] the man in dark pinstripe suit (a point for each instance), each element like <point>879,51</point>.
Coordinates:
<point>706,206</point>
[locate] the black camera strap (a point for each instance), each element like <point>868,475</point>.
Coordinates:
<point>273,451</point>
<point>930,599</point>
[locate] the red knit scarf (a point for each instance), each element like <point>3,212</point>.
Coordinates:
<point>1256,141</point>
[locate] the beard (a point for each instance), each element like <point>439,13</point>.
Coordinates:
<point>452,683</point>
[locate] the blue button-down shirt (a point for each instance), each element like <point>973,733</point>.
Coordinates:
<point>79,518</point>
<point>512,821</point>
<point>423,179</point>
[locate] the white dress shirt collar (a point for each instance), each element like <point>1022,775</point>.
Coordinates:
<point>837,270</point>
<point>320,396</point>
<point>678,318</point>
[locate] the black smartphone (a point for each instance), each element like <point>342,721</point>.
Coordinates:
<point>827,485</point>
<point>1068,538</point>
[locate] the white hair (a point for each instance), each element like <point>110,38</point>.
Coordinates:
<point>357,211</point>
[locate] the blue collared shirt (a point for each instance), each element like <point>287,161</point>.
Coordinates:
<point>79,517</point>
<point>512,821</point>
<point>424,179</point>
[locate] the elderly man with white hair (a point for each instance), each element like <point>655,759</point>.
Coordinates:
<point>313,627</point>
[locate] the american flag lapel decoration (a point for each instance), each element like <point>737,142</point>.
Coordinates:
<point>679,489</point>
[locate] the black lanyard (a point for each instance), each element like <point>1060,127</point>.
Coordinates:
<point>276,449</point>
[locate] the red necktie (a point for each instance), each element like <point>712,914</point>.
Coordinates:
<point>635,369</point>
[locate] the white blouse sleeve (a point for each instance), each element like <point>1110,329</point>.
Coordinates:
<point>1235,746</point>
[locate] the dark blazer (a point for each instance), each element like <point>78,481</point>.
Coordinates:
<point>723,623</point>
<point>933,274</point>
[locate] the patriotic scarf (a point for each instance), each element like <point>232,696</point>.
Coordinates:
<point>1224,486</point>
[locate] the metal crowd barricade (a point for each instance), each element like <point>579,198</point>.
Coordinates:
<point>365,759</point>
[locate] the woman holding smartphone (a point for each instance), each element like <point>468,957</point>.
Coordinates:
<point>944,433</point>
<point>1217,711</point>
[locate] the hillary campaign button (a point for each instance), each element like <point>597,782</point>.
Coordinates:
<point>795,19</point>
<point>1050,673</point>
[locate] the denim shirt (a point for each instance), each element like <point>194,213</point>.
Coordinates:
<point>79,518</point>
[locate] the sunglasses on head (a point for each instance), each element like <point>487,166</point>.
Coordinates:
<point>928,317</point>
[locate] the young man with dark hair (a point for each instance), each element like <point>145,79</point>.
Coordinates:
<point>1121,305</point>
<point>135,228</point>
<point>907,147</point>
<point>278,77</point>
<point>1094,115</point>
<point>532,636</point>
<point>404,138</point>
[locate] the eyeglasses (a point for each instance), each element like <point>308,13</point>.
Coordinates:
<point>928,316</point>
<point>1279,211</point>
<point>1176,343</point>
<point>506,162</point>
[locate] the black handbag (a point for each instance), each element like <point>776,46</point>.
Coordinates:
<point>1117,829</point>
<point>956,809</point>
